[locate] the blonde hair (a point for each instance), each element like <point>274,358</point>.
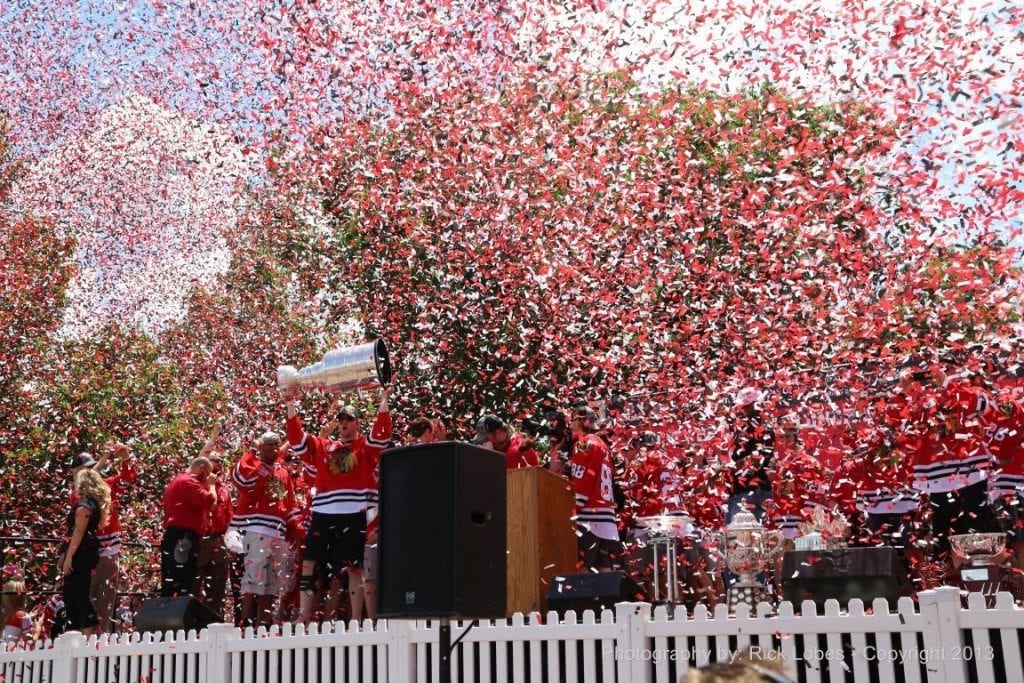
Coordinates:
<point>89,484</point>
<point>14,598</point>
<point>746,667</point>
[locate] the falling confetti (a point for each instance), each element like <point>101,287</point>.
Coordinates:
<point>663,202</point>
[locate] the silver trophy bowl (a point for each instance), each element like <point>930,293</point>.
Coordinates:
<point>342,370</point>
<point>978,549</point>
<point>666,525</point>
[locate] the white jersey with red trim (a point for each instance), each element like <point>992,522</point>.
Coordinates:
<point>344,473</point>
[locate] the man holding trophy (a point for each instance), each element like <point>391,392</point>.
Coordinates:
<point>344,468</point>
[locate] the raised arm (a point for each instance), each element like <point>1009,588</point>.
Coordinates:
<point>119,456</point>
<point>380,434</point>
<point>302,444</point>
<point>211,441</point>
<point>104,458</point>
<point>291,397</point>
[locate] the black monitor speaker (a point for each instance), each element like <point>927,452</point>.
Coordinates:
<point>592,591</point>
<point>183,613</point>
<point>442,532</point>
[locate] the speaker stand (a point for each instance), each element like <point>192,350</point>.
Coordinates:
<point>445,647</point>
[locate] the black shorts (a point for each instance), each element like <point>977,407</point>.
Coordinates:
<point>1009,511</point>
<point>963,511</point>
<point>893,528</point>
<point>336,540</point>
<point>597,553</point>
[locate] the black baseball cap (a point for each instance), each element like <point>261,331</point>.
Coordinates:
<point>487,425</point>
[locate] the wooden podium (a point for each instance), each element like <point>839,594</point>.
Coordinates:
<point>541,536</point>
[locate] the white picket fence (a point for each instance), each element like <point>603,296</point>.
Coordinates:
<point>936,640</point>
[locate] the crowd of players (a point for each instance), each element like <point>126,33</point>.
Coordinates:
<point>290,526</point>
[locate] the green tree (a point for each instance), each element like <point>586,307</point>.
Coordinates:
<point>592,237</point>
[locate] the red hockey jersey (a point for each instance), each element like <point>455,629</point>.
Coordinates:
<point>651,485</point>
<point>344,474</point>
<point>591,468</point>
<point>1004,432</point>
<point>799,486</point>
<point>517,455</point>
<point>109,536</point>
<point>945,439</point>
<point>266,496</point>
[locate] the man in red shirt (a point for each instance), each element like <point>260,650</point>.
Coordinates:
<point>650,482</point>
<point>493,433</point>
<point>346,491</point>
<point>946,443</point>
<point>591,471</point>
<point>187,502</point>
<point>800,486</point>
<point>753,456</point>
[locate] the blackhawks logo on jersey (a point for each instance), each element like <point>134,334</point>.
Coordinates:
<point>274,489</point>
<point>582,446</point>
<point>341,460</point>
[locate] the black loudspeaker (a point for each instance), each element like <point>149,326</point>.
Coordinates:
<point>442,532</point>
<point>592,590</point>
<point>174,614</point>
<point>843,574</point>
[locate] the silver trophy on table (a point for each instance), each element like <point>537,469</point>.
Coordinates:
<point>342,370</point>
<point>978,561</point>
<point>749,550</point>
<point>662,534</point>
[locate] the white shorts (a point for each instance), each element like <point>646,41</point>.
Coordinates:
<point>370,562</point>
<point>269,565</point>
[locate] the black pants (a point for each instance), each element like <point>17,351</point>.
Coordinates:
<point>597,553</point>
<point>77,601</point>
<point>893,528</point>
<point>962,511</point>
<point>178,578</point>
<point>212,572</point>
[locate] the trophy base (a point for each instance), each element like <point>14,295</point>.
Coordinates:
<point>985,579</point>
<point>748,595</point>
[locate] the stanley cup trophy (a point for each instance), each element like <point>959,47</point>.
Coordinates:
<point>342,370</point>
